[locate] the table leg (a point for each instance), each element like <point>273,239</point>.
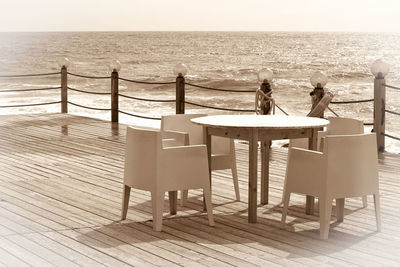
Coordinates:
<point>265,171</point>
<point>173,202</point>
<point>207,141</point>
<point>253,150</point>
<point>312,145</point>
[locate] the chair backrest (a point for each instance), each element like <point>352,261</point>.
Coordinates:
<point>338,126</point>
<point>182,123</point>
<point>351,164</point>
<point>141,157</point>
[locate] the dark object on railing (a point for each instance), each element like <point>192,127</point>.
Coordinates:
<point>81,106</point>
<point>392,87</point>
<point>368,123</point>
<point>30,89</point>
<point>89,77</point>
<point>144,82</point>
<point>219,89</point>
<point>352,101</point>
<point>219,108</point>
<point>31,105</point>
<point>88,92</point>
<point>139,116</point>
<point>29,75</point>
<point>149,100</point>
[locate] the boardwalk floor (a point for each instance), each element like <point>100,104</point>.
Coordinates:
<point>60,202</point>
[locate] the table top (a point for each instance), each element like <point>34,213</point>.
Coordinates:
<point>261,121</point>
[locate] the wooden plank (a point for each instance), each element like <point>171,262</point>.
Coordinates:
<point>60,194</point>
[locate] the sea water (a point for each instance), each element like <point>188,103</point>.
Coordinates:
<point>229,60</point>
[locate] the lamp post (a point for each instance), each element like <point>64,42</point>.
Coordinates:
<point>263,95</point>
<point>180,70</point>
<point>318,81</point>
<point>379,69</point>
<point>64,63</point>
<point>115,67</point>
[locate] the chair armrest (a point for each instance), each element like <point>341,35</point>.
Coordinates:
<point>305,171</point>
<point>184,167</point>
<point>174,138</point>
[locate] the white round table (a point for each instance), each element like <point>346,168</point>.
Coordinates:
<point>264,128</point>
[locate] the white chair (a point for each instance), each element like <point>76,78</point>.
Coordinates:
<point>346,168</point>
<point>336,126</point>
<point>150,167</point>
<point>223,149</point>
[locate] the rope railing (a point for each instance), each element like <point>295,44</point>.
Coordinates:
<point>391,136</point>
<point>144,82</point>
<point>149,100</point>
<point>219,108</point>
<point>29,75</point>
<point>81,106</point>
<point>31,105</point>
<point>392,87</point>
<point>88,92</point>
<point>392,112</point>
<point>88,77</point>
<point>352,101</point>
<point>284,112</point>
<point>219,89</point>
<point>30,89</point>
<point>138,116</point>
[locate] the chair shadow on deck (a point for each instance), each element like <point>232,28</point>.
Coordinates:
<point>230,228</point>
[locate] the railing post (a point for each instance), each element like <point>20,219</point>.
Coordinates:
<point>114,96</point>
<point>64,89</point>
<point>180,94</point>
<point>379,112</point>
<point>379,69</point>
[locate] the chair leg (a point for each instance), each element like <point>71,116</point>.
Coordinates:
<point>125,201</point>
<point>235,177</point>
<point>207,198</point>
<point>377,211</point>
<point>365,201</point>
<point>157,201</point>
<point>325,211</point>
<point>286,199</point>
<point>340,209</point>
<point>184,197</point>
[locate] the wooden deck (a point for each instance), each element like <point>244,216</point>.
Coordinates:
<point>60,202</point>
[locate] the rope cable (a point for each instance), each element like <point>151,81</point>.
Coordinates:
<point>139,116</point>
<point>146,99</point>
<point>31,89</point>
<point>352,101</point>
<point>29,105</point>
<point>29,75</point>
<point>219,108</point>
<point>392,112</point>
<point>393,87</point>
<point>88,92</point>
<point>89,77</point>
<point>219,89</point>
<point>81,106</point>
<point>143,82</point>
<point>391,136</point>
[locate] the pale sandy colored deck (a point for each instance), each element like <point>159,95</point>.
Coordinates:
<point>60,200</point>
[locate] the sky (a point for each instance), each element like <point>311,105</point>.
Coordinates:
<point>200,15</point>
